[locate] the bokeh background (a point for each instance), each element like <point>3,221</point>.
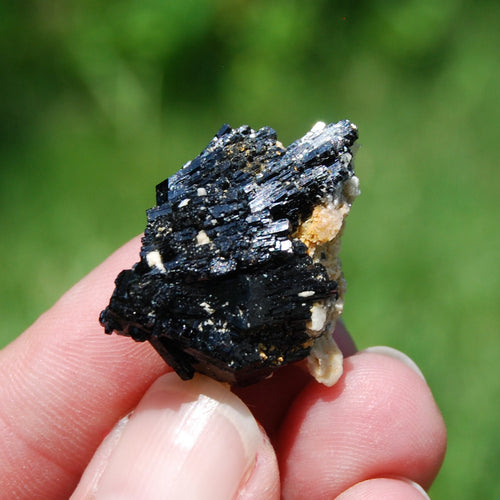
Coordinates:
<point>100,100</point>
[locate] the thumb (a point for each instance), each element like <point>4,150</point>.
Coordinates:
<point>191,439</point>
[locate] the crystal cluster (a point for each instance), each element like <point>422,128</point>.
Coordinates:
<point>238,272</point>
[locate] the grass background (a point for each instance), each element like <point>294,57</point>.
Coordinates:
<point>101,100</point>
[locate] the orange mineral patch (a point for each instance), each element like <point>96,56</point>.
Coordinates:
<point>323,226</point>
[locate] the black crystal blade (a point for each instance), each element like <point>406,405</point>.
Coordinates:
<point>223,286</point>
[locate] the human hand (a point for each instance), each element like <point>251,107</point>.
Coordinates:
<point>64,385</point>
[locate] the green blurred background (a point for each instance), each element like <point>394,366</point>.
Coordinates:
<point>103,99</point>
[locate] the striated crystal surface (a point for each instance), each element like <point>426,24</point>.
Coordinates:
<point>238,272</point>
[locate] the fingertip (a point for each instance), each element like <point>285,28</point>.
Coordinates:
<point>264,480</point>
<point>191,439</point>
<point>379,419</point>
<point>386,488</point>
<point>417,406</point>
<point>400,356</point>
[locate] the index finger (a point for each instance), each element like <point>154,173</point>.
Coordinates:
<point>63,385</point>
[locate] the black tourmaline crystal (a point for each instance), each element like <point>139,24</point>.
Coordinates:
<point>225,285</point>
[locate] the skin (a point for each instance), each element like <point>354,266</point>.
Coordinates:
<point>64,385</point>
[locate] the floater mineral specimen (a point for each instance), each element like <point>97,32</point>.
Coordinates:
<point>238,272</point>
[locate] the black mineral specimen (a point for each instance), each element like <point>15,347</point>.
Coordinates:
<point>224,285</point>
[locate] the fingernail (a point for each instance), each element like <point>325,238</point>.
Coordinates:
<point>90,479</point>
<point>412,483</point>
<point>418,488</point>
<point>394,353</point>
<point>191,439</point>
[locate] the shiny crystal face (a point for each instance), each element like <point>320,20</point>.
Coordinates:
<point>238,272</point>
